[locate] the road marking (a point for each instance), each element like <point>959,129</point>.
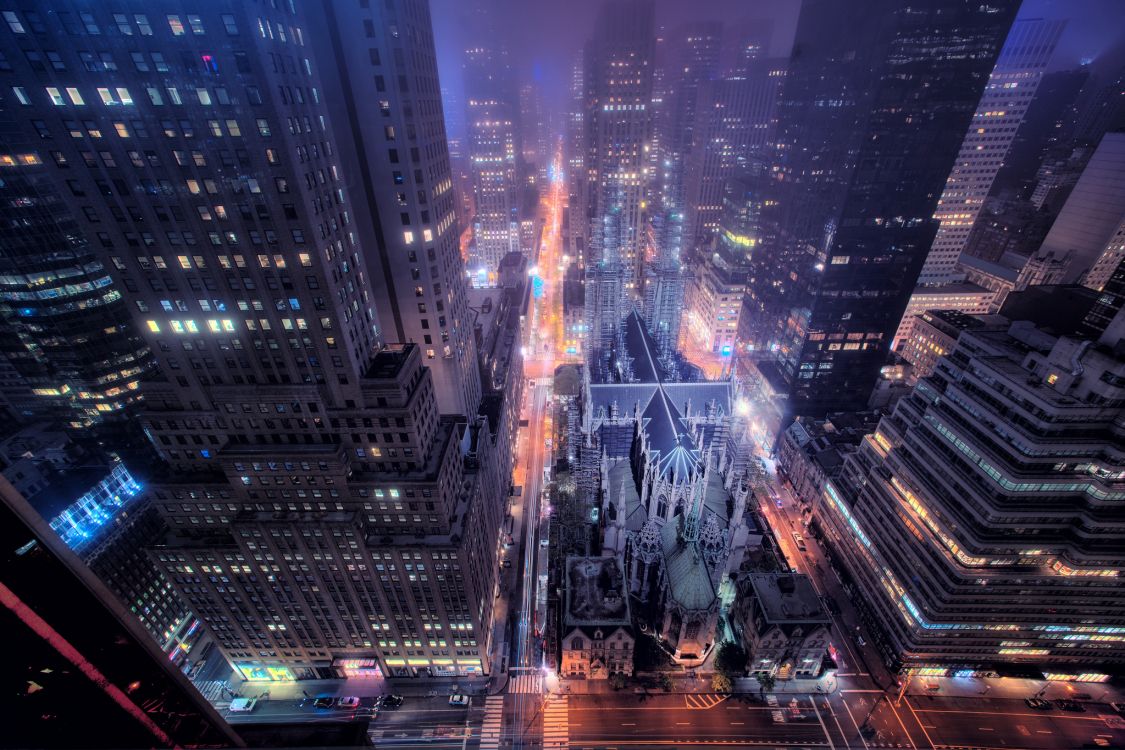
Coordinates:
<point>823,726</point>
<point>1043,731</point>
<point>986,729</point>
<point>628,724</point>
<point>738,723</point>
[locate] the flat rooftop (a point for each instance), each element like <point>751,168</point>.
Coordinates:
<point>387,363</point>
<point>787,598</point>
<point>595,591</point>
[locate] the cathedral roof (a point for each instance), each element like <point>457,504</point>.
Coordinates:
<point>641,348</point>
<point>689,580</point>
<point>669,440</point>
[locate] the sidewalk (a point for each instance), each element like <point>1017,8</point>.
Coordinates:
<point>698,684</point>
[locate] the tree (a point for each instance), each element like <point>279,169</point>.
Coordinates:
<point>720,683</point>
<point>731,659</point>
<point>617,681</point>
<point>766,681</point>
<point>666,682</point>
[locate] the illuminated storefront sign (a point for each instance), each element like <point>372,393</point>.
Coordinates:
<point>259,673</point>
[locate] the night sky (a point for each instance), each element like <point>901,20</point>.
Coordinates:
<point>544,36</point>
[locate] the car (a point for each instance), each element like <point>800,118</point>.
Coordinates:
<point>457,699</point>
<point>800,541</point>
<point>324,701</point>
<point>349,701</point>
<point>507,563</point>
<point>243,705</point>
<point>1038,703</point>
<point>777,501</point>
<point>392,701</point>
<point>544,542</point>
<point>1072,706</point>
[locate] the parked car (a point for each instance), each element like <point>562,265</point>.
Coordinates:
<point>1118,707</point>
<point>1072,706</point>
<point>349,701</point>
<point>243,705</point>
<point>324,701</point>
<point>457,699</point>
<point>393,701</point>
<point>1038,703</point>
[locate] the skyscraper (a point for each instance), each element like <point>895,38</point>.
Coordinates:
<point>492,108</point>
<point>387,101</point>
<point>870,120</point>
<point>66,329</point>
<point>694,62</point>
<point>325,517</point>
<point>1006,98</point>
<point>618,81</point>
<point>734,127</point>
<point>961,545</point>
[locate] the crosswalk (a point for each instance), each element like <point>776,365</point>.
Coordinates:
<point>526,683</point>
<point>556,731</point>
<point>493,724</point>
<point>212,690</point>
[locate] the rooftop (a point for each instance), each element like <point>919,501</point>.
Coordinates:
<point>595,591</point>
<point>787,598</point>
<point>390,359</point>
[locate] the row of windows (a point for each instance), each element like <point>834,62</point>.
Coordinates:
<point>82,24</point>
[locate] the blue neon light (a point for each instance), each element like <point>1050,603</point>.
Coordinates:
<point>82,520</point>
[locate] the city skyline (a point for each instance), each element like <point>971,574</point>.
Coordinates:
<point>564,375</point>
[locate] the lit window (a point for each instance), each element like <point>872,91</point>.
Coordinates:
<point>21,95</point>
<point>14,22</point>
<point>154,326</point>
<point>177,326</point>
<point>427,235</point>
<point>204,97</point>
<point>215,326</point>
<point>191,326</point>
<point>185,262</point>
<point>196,24</point>
<point>176,25</point>
<point>124,96</point>
<point>408,237</point>
<point>106,96</point>
<point>75,96</point>
<point>56,96</point>
<point>122,131</point>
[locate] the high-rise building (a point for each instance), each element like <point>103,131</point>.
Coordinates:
<point>857,184</point>
<point>1091,216</point>
<point>957,518</point>
<point>694,61</point>
<point>577,228</point>
<point>387,101</point>
<point>1000,112</point>
<point>324,517</point>
<point>719,279</point>
<point>736,115</point>
<point>1007,97</point>
<point>64,327</point>
<point>618,82</point>
<point>491,116</point>
<point>79,670</point>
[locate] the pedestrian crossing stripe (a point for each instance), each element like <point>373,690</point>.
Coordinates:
<point>493,724</point>
<point>526,683</point>
<point>556,731</point>
<point>702,701</point>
